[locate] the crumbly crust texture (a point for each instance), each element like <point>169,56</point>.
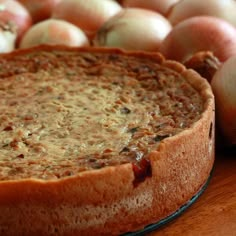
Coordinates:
<point>149,152</point>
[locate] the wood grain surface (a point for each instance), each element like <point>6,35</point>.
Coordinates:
<point>214,213</point>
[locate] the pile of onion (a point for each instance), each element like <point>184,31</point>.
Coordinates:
<point>134,29</point>
<point>224,88</point>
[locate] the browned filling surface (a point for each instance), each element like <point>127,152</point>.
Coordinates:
<point>63,113</point>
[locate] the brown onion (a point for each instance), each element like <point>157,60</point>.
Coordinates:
<point>224,9</point>
<point>205,63</point>
<point>39,9</point>
<point>224,88</point>
<point>200,33</point>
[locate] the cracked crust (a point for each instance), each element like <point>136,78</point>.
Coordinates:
<point>106,201</point>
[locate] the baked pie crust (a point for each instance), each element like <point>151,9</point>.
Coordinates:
<point>99,141</point>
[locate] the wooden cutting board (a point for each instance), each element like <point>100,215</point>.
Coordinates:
<point>214,213</point>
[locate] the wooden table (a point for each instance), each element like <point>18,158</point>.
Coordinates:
<point>214,213</point>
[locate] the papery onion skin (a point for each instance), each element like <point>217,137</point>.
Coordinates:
<point>224,88</point>
<point>205,63</point>
<point>224,9</point>
<point>87,15</point>
<point>54,31</point>
<point>200,33</point>
<point>161,6</point>
<point>15,16</point>
<point>39,9</point>
<point>134,29</point>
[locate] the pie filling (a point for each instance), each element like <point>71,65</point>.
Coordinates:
<point>61,114</point>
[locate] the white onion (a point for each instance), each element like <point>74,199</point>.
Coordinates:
<point>87,15</point>
<point>15,16</point>
<point>161,6</point>
<point>134,29</point>
<point>54,31</point>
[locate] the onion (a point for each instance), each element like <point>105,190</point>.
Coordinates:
<point>224,88</point>
<point>7,40</point>
<point>134,29</point>
<point>225,9</point>
<point>200,33</point>
<point>161,6</point>
<point>39,9</point>
<point>205,63</point>
<point>54,31</point>
<point>15,16</point>
<point>87,15</point>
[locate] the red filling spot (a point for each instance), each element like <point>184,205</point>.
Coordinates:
<point>142,170</point>
<point>21,156</point>
<point>8,128</point>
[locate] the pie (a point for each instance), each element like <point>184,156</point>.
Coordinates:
<point>97,141</point>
